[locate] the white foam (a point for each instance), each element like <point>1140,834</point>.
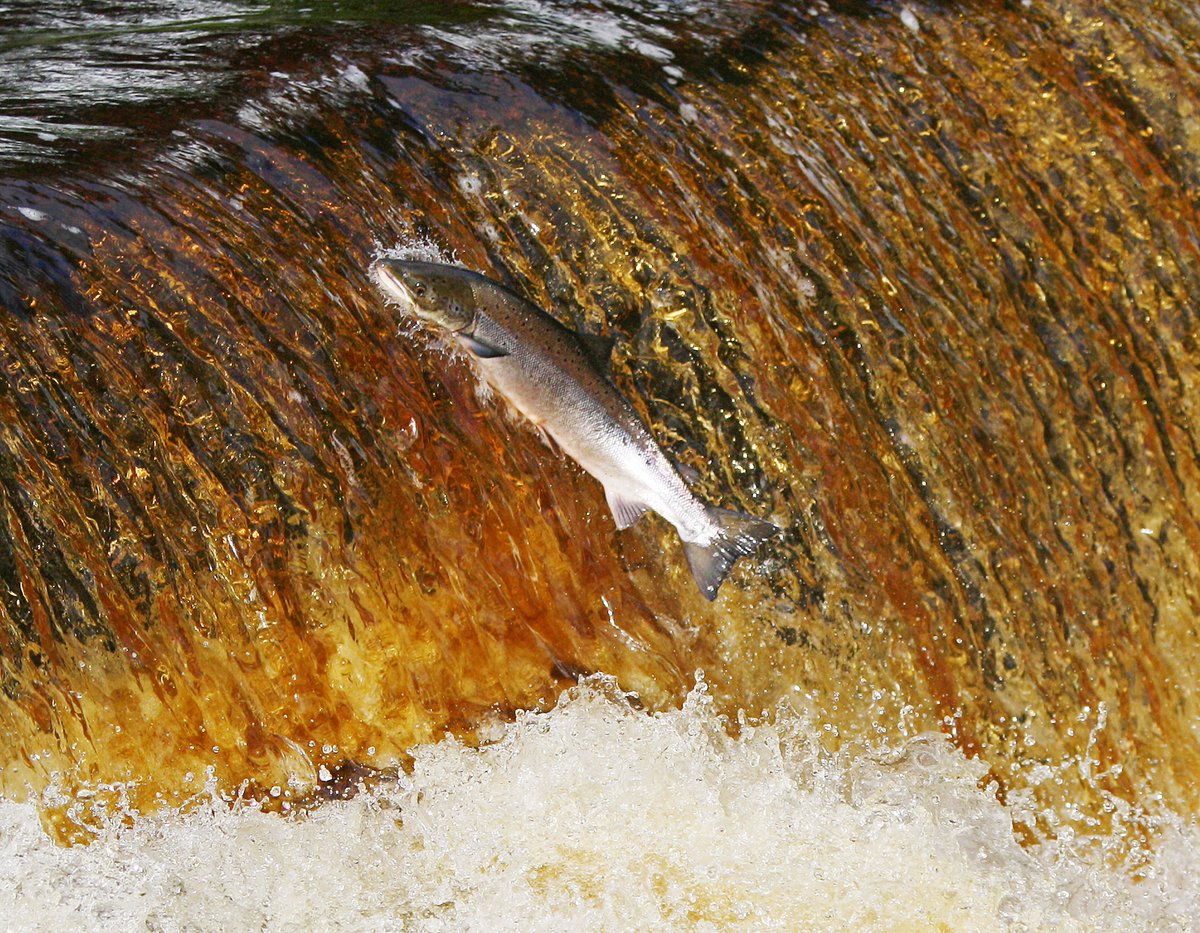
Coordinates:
<point>413,248</point>
<point>355,76</point>
<point>470,184</point>
<point>598,816</point>
<point>31,213</point>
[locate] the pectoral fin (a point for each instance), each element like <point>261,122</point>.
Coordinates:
<point>545,436</point>
<point>479,348</point>
<point>625,512</point>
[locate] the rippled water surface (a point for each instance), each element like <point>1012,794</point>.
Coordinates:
<point>916,282</point>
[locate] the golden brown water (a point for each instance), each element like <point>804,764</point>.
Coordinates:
<point>924,298</point>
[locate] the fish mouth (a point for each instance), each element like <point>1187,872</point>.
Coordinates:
<point>392,286</point>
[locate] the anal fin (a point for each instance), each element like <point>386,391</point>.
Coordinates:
<point>625,512</point>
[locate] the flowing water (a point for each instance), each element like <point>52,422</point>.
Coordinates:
<point>915,281</point>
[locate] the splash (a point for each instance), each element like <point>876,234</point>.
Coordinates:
<point>599,815</point>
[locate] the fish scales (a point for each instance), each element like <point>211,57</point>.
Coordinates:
<point>554,378</point>
<point>548,377</point>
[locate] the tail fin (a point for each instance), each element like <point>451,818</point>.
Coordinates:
<point>740,535</point>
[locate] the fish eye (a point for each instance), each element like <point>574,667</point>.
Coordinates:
<point>419,288</point>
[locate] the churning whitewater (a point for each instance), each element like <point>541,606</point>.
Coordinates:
<point>596,815</point>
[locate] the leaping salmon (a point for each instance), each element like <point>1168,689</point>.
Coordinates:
<point>555,378</point>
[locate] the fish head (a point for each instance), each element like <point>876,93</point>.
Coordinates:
<point>440,295</point>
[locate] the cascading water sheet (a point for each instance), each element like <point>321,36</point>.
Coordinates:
<point>917,284</point>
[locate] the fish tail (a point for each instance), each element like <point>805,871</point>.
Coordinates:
<point>740,535</point>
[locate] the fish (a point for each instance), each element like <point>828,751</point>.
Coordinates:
<point>556,378</point>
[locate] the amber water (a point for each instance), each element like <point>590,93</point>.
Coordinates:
<point>916,283</point>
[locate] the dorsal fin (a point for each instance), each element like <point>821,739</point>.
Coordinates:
<point>598,349</point>
<point>690,474</point>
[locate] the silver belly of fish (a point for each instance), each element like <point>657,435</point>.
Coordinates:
<point>553,377</point>
<point>633,470</point>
